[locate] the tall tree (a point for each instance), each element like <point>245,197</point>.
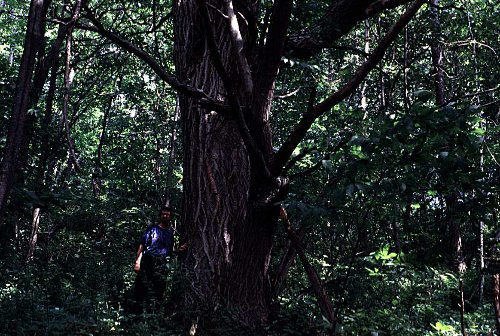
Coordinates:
<point>15,136</point>
<point>226,69</point>
<point>232,176</point>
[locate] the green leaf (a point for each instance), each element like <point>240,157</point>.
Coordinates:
<point>479,131</point>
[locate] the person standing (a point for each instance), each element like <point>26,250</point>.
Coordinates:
<point>157,243</point>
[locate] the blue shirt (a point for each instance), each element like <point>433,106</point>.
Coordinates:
<point>158,242</point>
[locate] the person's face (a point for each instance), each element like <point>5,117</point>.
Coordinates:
<point>165,216</point>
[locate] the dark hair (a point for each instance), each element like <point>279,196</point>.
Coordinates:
<point>166,208</point>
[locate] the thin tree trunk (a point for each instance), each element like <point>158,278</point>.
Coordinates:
<point>382,92</point>
<point>477,100</point>
<point>481,254</point>
<point>454,235</point>
<point>364,101</point>
<point>42,162</point>
<point>437,56</point>
<point>171,156</point>
<point>97,174</point>
<point>496,301</point>
<point>34,232</point>
<point>405,71</point>
<point>462,308</point>
<point>68,79</point>
<point>15,135</point>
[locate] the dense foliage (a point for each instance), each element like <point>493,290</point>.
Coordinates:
<point>379,185</point>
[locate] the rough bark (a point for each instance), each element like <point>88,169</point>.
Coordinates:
<point>169,189</point>
<point>229,214</point>
<point>217,212</point>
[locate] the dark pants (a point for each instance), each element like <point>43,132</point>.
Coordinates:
<point>150,284</point>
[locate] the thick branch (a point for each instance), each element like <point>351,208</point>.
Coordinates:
<point>307,120</point>
<point>340,17</point>
<point>287,261</point>
<point>237,42</point>
<point>47,62</point>
<point>269,60</point>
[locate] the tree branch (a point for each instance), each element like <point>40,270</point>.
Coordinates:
<point>319,291</point>
<point>183,88</point>
<point>318,165</point>
<point>270,58</point>
<point>297,158</point>
<point>340,17</point>
<point>237,42</point>
<point>307,120</point>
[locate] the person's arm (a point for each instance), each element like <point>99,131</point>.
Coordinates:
<point>137,265</point>
<point>181,248</point>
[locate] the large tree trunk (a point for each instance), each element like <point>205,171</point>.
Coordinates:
<point>229,232</point>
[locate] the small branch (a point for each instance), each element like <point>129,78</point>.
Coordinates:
<point>308,119</point>
<point>462,9</point>
<point>455,99</point>
<point>347,48</point>
<point>380,5</point>
<point>319,291</point>
<point>297,158</point>
<point>481,92</point>
<point>160,22</point>
<point>490,103</point>
<point>469,42</point>
<point>287,95</point>
<point>318,165</point>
